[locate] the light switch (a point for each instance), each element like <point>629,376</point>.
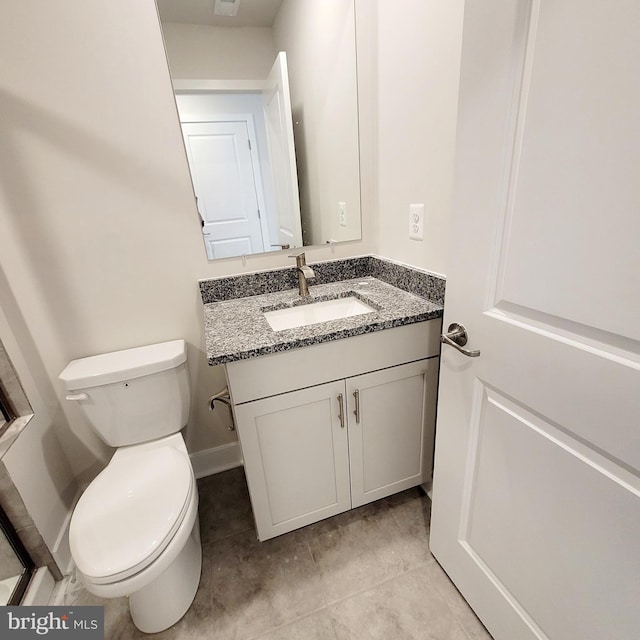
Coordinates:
<point>342,214</point>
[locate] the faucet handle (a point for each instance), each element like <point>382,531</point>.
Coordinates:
<point>301,259</point>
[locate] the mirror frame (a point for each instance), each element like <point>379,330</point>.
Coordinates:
<point>23,556</point>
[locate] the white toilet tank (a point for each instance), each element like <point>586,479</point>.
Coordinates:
<point>135,395</point>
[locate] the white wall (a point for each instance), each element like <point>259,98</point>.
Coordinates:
<point>100,239</point>
<point>196,52</point>
<point>319,40</point>
<point>419,44</point>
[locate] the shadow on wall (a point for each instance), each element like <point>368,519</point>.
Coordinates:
<point>28,207</point>
<point>44,156</point>
<point>58,437</point>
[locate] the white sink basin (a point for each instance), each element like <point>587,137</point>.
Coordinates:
<point>306,314</point>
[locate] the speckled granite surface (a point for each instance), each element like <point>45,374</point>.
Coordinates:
<point>236,329</point>
<point>421,283</point>
<point>415,281</point>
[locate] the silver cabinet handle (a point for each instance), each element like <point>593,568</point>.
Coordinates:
<point>341,410</point>
<point>356,395</point>
<point>457,337</point>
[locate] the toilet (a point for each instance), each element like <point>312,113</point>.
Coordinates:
<point>135,530</point>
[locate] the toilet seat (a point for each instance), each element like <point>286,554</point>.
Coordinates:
<point>130,512</point>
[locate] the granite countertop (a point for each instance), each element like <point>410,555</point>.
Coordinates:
<point>237,329</point>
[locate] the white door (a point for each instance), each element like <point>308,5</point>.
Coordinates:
<point>391,416</point>
<point>220,155</point>
<point>282,153</point>
<point>536,498</point>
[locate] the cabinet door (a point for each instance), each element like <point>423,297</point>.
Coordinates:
<point>391,429</point>
<point>296,458</point>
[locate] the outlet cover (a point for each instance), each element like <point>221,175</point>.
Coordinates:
<point>416,221</point>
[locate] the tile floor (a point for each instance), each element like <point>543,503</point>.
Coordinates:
<point>365,574</point>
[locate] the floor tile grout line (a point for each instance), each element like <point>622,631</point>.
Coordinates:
<point>317,569</point>
<point>420,565</point>
<point>264,633</point>
<point>227,536</point>
<point>304,544</point>
<point>374,585</point>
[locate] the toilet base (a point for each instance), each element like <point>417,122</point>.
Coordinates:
<point>166,599</point>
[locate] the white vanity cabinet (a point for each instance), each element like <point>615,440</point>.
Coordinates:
<point>390,427</point>
<point>296,458</point>
<point>333,426</point>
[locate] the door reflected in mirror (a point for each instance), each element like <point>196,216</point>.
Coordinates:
<point>242,159</point>
<point>268,107</point>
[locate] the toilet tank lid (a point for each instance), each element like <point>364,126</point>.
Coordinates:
<point>118,366</point>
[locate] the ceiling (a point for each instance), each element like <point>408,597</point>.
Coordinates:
<point>251,13</point>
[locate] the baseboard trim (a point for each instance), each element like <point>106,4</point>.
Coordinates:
<point>216,459</point>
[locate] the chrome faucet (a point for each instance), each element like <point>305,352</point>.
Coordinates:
<point>305,272</point>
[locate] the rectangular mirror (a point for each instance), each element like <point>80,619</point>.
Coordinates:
<point>267,101</point>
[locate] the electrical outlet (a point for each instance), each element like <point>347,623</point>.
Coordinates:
<point>342,214</point>
<point>416,221</point>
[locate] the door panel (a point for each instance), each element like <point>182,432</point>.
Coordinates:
<point>296,456</point>
<point>391,445</point>
<point>536,501</point>
<point>224,178</point>
<point>577,134</point>
<point>556,545</point>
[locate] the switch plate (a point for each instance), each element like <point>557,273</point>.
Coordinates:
<point>416,221</point>
<point>342,214</point>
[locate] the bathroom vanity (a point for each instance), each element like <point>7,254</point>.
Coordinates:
<point>331,414</point>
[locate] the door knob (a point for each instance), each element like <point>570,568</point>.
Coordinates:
<point>456,336</point>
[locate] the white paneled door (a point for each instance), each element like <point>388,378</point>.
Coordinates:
<point>222,155</point>
<point>536,499</point>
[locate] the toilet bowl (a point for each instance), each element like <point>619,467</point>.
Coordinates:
<point>135,530</point>
<point>134,522</point>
